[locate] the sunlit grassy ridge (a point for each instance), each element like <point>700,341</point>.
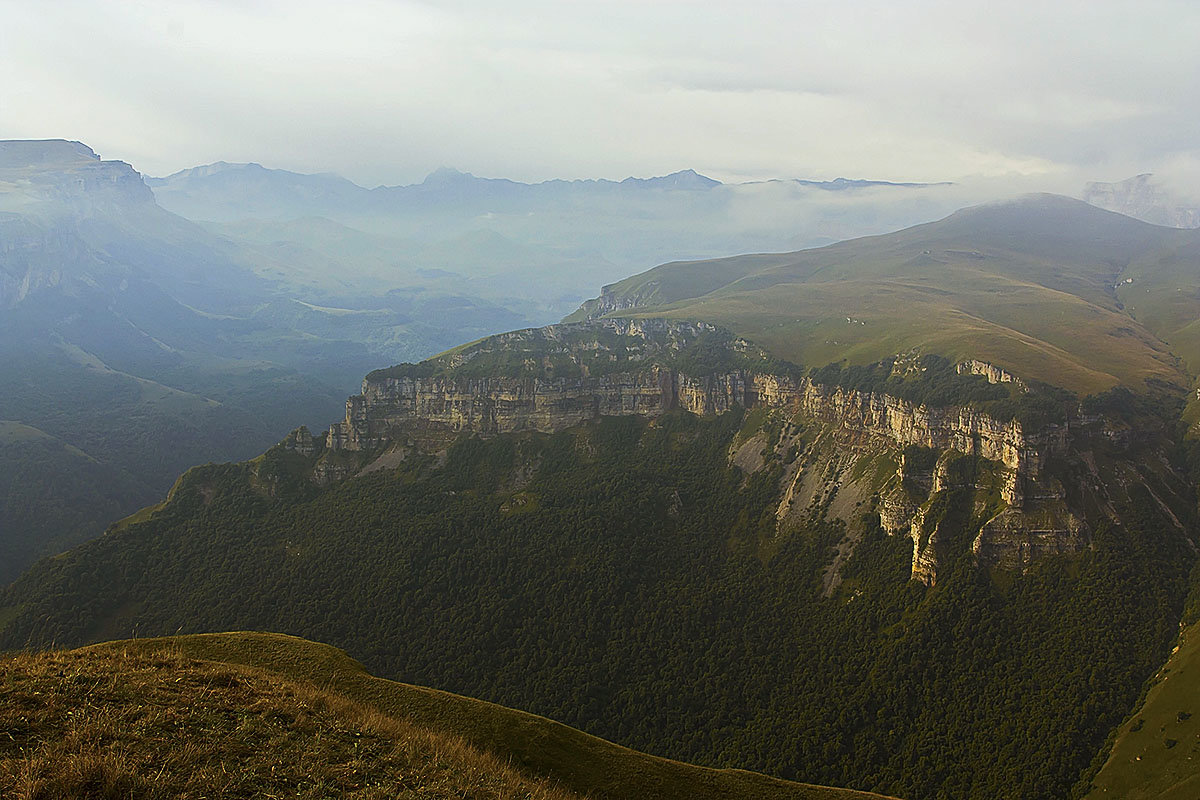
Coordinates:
<point>1156,754</point>
<point>1038,286</point>
<point>201,685</point>
<point>154,722</point>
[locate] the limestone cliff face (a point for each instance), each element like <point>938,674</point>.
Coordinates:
<point>1015,508</point>
<point>389,406</point>
<point>964,430</point>
<point>609,303</point>
<point>994,374</point>
<point>1145,198</point>
<point>68,172</point>
<point>392,409</point>
<point>395,407</point>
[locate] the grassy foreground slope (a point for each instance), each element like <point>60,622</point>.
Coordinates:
<point>115,723</point>
<point>1045,286</point>
<point>1156,755</point>
<point>452,734</point>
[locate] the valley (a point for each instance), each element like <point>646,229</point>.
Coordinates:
<point>208,336</point>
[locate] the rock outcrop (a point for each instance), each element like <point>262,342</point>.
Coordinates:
<point>397,406</point>
<point>563,376</point>
<point>59,171</point>
<point>994,374</point>
<point>1146,198</point>
<point>397,409</point>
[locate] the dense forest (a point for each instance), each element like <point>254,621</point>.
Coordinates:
<point>625,579</point>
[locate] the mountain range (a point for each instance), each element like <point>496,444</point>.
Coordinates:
<point>569,235</point>
<point>135,343</point>
<point>911,513</point>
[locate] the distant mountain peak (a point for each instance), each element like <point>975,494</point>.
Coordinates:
<point>215,168</point>
<point>16,153</point>
<point>444,175</point>
<point>842,184</point>
<point>683,179</point>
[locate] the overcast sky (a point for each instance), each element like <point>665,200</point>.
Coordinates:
<point>383,92</point>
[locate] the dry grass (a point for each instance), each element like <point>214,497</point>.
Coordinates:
<point>95,724</point>
<point>535,745</point>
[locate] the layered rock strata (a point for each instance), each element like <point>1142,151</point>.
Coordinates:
<point>398,409</point>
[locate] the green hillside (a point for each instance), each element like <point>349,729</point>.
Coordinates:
<point>1156,755</point>
<point>1047,287</point>
<point>536,746</point>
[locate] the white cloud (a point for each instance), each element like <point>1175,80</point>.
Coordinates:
<point>385,91</point>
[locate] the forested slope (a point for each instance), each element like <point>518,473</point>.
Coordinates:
<point>625,579</point>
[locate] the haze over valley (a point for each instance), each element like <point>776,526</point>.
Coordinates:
<point>210,337</point>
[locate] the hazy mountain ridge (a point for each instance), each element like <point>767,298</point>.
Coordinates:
<point>279,193</point>
<point>124,327</point>
<point>584,231</point>
<point>58,170</point>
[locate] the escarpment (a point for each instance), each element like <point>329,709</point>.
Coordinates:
<point>552,379</point>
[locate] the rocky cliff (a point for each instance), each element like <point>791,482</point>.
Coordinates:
<point>559,377</point>
<point>546,379</point>
<point>1146,198</point>
<point>55,171</point>
<point>393,409</point>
